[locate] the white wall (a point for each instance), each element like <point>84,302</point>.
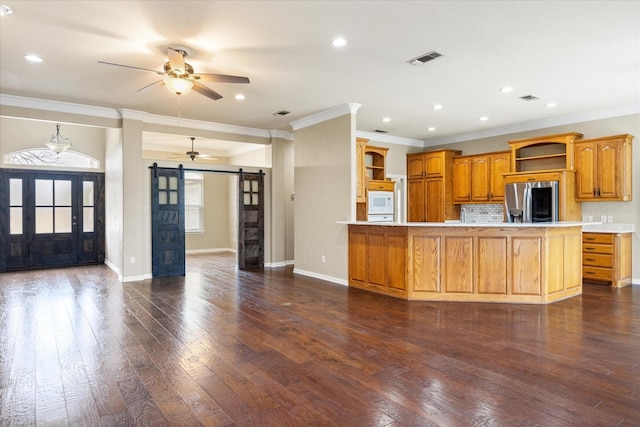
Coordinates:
<point>113,199</point>
<point>216,216</point>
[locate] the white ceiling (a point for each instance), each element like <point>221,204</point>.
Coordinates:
<point>582,55</point>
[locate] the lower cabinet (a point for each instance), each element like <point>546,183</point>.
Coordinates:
<point>483,264</point>
<point>606,257</point>
<point>378,259</point>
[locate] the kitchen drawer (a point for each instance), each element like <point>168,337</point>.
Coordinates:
<point>604,238</point>
<point>597,248</point>
<point>379,185</point>
<point>597,260</point>
<point>597,273</point>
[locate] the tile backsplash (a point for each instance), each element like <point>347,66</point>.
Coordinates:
<point>482,213</point>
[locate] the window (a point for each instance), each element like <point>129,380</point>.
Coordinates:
<point>193,202</point>
<point>45,157</point>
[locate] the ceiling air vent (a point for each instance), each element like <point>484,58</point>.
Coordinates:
<point>529,98</point>
<point>281,113</point>
<point>425,58</point>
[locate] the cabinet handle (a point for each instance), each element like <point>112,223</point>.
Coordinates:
<point>599,192</point>
<point>589,249</point>
<point>531,179</point>
<point>589,238</point>
<point>589,272</point>
<point>589,259</point>
<point>594,192</point>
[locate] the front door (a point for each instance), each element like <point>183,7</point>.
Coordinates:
<point>167,214</point>
<point>51,219</point>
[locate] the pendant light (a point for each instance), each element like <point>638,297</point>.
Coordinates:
<point>58,143</point>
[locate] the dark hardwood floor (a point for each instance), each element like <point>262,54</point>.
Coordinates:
<point>224,347</point>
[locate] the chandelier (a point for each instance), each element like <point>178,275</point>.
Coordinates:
<point>58,143</point>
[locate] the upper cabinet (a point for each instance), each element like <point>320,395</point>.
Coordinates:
<point>603,168</point>
<point>374,163</point>
<point>549,152</point>
<point>479,178</point>
<point>430,186</point>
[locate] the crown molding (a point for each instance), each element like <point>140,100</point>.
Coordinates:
<point>323,116</point>
<point>390,139</point>
<point>58,106</point>
<point>540,124</point>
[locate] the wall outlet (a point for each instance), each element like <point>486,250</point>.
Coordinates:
<point>133,260</point>
<point>603,218</point>
<point>609,218</point>
<point>324,259</point>
<point>590,218</point>
<point>584,218</point>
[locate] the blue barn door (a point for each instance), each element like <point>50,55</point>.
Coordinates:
<point>167,214</point>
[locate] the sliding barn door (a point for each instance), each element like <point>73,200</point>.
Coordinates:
<point>167,214</point>
<point>250,221</point>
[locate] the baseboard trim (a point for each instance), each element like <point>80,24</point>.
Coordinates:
<point>209,251</point>
<point>326,278</point>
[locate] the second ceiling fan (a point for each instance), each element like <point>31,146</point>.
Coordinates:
<point>180,76</point>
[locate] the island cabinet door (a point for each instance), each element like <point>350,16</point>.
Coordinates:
<point>492,265</point>
<point>458,264</point>
<point>357,256</point>
<point>526,265</point>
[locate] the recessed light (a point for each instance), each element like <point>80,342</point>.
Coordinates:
<point>5,10</point>
<point>550,105</point>
<point>437,107</point>
<point>339,42</point>
<point>33,58</point>
<point>506,89</point>
<point>240,96</point>
<point>483,118</point>
<point>386,119</point>
<point>431,129</point>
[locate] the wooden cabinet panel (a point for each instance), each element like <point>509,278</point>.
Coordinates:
<point>396,261</point>
<point>602,238</point>
<point>360,172</point>
<point>435,200</point>
<point>480,179</point>
<point>526,265</point>
<point>603,168</point>
<point>499,165</point>
<point>458,265</point>
<point>555,253</point>
<point>597,260</point>
<point>381,185</point>
<point>358,256</point>
<point>416,166</point>
<point>492,265</point>
<point>571,262</point>
<point>435,163</point>
<point>377,256</point>
<point>426,264</point>
<point>462,180</point>
<point>416,200</point>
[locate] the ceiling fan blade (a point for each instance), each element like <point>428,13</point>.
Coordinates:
<point>176,59</point>
<point>147,87</point>
<point>129,66</point>
<point>221,78</point>
<point>203,90</point>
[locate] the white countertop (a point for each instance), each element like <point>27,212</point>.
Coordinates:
<point>612,227</point>
<point>471,224</point>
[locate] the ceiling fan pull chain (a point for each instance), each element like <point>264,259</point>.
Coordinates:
<point>179,110</point>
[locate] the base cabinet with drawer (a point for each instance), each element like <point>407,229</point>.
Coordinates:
<point>606,257</point>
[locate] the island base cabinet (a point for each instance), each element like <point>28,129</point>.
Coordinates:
<point>536,265</point>
<point>377,260</point>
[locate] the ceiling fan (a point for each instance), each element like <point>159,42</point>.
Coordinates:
<point>193,154</point>
<point>179,77</point>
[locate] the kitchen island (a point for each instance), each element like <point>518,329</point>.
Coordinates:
<point>493,262</point>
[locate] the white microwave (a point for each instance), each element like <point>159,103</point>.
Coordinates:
<point>380,203</point>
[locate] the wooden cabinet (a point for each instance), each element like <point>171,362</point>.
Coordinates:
<point>568,208</point>
<point>430,186</point>
<point>528,264</point>
<point>361,144</point>
<point>378,259</point>
<point>479,178</point>
<point>606,257</point>
<point>603,168</point>
<point>544,152</point>
<point>374,163</point>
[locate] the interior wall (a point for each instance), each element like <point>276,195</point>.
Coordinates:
<point>113,199</point>
<point>324,161</point>
<point>216,216</point>
<point>258,157</point>
<point>622,212</point>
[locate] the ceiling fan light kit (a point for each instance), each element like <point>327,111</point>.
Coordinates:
<point>178,85</point>
<point>179,77</point>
